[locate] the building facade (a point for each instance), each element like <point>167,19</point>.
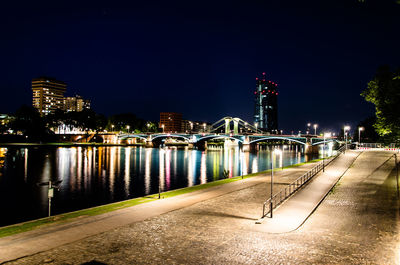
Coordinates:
<point>170,122</point>
<point>48,94</point>
<point>266,104</point>
<point>76,103</point>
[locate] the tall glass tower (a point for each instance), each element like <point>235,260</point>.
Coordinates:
<point>266,104</point>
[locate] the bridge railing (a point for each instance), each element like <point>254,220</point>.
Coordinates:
<point>285,193</point>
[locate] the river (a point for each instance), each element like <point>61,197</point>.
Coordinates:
<point>92,176</point>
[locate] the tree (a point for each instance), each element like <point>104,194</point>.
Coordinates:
<point>368,134</point>
<point>120,122</point>
<point>29,123</point>
<point>384,92</point>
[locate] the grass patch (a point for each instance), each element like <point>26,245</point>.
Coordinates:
<point>334,189</point>
<point>30,225</point>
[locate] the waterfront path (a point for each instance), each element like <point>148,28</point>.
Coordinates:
<point>358,223</point>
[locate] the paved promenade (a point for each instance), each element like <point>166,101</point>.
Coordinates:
<point>356,223</point>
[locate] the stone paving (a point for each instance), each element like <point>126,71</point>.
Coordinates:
<point>357,223</point>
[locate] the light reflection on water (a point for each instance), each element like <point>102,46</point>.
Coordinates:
<point>97,175</point>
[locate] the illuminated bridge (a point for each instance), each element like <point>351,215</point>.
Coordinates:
<point>243,134</point>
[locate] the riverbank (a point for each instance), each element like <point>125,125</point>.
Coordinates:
<point>62,218</point>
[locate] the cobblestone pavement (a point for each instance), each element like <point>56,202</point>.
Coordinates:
<point>357,223</point>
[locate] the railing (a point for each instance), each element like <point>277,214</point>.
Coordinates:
<point>285,193</point>
<point>372,145</point>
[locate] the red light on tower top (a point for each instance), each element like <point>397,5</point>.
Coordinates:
<point>263,73</point>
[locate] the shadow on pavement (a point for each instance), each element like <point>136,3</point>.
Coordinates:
<point>219,214</point>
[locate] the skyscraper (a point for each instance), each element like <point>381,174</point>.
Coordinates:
<point>48,94</point>
<point>266,104</point>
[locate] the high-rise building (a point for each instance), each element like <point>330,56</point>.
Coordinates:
<point>76,103</point>
<point>266,104</point>
<point>48,94</point>
<point>171,122</point>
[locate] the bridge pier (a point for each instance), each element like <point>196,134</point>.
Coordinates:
<point>202,145</point>
<point>246,146</point>
<point>149,144</point>
<point>311,149</point>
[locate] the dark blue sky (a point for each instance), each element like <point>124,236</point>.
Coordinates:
<point>201,58</point>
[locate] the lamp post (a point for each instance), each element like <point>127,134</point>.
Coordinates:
<point>204,125</point>
<point>315,129</point>
<point>359,135</point>
<point>162,126</point>
<point>256,124</point>
<point>272,182</point>
<point>127,127</point>
<point>345,129</point>
<point>327,134</point>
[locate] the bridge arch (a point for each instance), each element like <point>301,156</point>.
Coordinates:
<point>277,138</point>
<point>126,136</point>
<point>212,137</point>
<point>169,136</point>
<point>326,142</point>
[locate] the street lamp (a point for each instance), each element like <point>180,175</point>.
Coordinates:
<point>345,129</point>
<point>327,134</point>
<point>112,127</point>
<point>315,129</point>
<point>204,124</point>
<point>162,126</point>
<point>127,127</point>
<point>359,135</point>
<point>256,124</point>
<point>272,176</point>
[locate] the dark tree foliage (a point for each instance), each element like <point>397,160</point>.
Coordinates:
<point>28,122</point>
<point>384,92</point>
<point>126,122</point>
<point>368,134</point>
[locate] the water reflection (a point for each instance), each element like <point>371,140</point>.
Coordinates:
<point>98,175</point>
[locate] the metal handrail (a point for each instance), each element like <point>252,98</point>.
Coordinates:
<point>285,193</point>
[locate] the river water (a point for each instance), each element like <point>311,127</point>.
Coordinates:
<point>92,176</point>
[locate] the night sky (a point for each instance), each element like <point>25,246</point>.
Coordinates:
<point>200,58</point>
